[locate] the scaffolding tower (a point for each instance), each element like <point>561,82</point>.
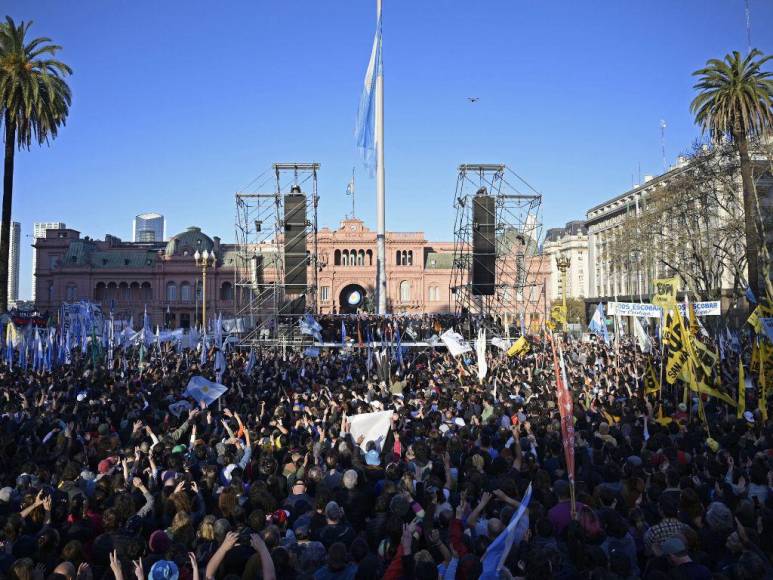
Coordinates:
<point>517,235</point>
<point>268,299</point>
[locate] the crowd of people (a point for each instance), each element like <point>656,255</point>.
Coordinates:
<point>110,470</point>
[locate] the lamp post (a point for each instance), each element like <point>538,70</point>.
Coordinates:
<point>563,263</point>
<point>204,260</point>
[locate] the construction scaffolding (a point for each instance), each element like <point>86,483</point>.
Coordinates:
<point>276,264</point>
<point>517,231</point>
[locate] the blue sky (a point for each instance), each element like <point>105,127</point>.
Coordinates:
<point>178,104</point>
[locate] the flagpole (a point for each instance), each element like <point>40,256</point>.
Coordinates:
<point>381,284</point>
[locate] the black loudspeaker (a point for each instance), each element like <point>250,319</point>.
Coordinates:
<point>483,245</point>
<point>295,243</point>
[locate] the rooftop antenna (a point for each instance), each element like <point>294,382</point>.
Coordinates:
<point>748,27</point>
<point>663,143</point>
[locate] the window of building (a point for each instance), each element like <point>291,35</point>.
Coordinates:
<point>147,292</point>
<point>434,294</point>
<point>345,258</point>
<point>185,292</point>
<point>71,292</point>
<point>171,292</point>
<point>99,292</point>
<point>324,293</point>
<point>361,258</point>
<point>124,291</point>
<point>409,258</point>
<point>405,291</point>
<point>227,291</point>
<point>337,258</point>
<point>399,258</point>
<point>53,262</point>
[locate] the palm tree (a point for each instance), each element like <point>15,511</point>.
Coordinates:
<point>736,101</point>
<point>34,102</point>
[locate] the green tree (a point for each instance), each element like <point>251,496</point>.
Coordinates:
<point>34,102</point>
<point>735,100</point>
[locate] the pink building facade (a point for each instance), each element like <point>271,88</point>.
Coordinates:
<point>126,277</point>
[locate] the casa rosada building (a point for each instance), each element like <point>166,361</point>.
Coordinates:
<point>126,277</point>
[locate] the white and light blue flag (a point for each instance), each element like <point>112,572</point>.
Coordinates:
<point>365,130</point>
<point>202,390</point>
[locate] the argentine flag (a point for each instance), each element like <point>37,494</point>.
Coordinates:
<point>365,130</point>
<point>598,324</point>
<point>496,554</point>
<point>202,390</point>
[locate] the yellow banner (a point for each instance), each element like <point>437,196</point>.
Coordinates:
<point>520,347</point>
<point>651,382</point>
<point>675,345</point>
<point>558,313</point>
<point>665,291</point>
<point>741,390</point>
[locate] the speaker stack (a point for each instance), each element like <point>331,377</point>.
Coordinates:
<point>483,243</point>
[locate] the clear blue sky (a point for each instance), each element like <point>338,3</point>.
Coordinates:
<point>178,104</point>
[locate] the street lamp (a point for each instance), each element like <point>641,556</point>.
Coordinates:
<point>563,263</point>
<point>204,260</point>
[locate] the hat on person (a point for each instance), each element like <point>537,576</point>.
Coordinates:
<point>164,570</point>
<point>159,542</point>
<point>333,511</point>
<point>749,416</point>
<point>713,444</point>
<point>5,494</point>
<point>459,422</point>
<point>372,457</point>
<point>673,546</point>
<point>280,516</point>
<point>106,465</point>
<point>443,428</point>
<point>179,449</point>
<point>719,517</point>
<point>336,557</point>
<point>682,407</point>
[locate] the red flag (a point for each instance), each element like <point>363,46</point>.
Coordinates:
<point>565,408</point>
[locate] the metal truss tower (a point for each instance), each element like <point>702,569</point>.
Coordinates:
<point>517,235</point>
<point>265,300</point>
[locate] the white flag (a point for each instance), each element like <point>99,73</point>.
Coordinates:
<point>480,349</point>
<point>455,342</point>
<point>645,344</point>
<point>373,426</point>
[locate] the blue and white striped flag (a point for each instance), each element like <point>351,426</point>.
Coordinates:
<point>496,554</point>
<point>202,390</point>
<point>598,324</point>
<point>365,130</point>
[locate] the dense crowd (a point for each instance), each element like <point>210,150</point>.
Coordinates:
<point>108,470</point>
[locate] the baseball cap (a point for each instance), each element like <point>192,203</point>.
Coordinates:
<point>164,570</point>
<point>372,458</point>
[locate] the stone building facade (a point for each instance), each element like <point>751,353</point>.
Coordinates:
<point>127,277</point>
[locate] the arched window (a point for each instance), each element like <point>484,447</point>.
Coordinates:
<point>147,292</point>
<point>410,258</point>
<point>99,292</point>
<point>112,291</point>
<point>72,292</point>
<point>369,253</point>
<point>185,291</point>
<point>405,291</point>
<point>134,291</point>
<point>345,258</point>
<point>171,292</point>
<point>227,291</point>
<point>434,293</point>
<point>361,258</point>
<point>399,258</point>
<point>123,289</point>
<point>337,257</point>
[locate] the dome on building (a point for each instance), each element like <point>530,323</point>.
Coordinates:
<point>187,242</point>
